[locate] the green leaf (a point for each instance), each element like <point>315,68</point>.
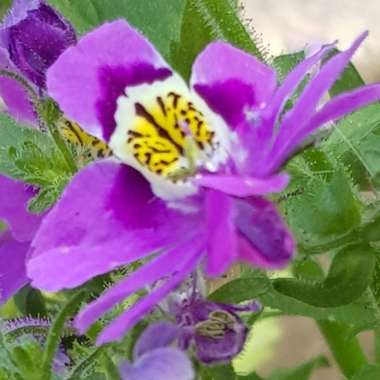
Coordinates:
<point>349,80</point>
<point>30,302</point>
<point>302,372</point>
<point>222,372</point>
<point>31,156</point>
<point>179,29</point>
<point>4,5</point>
<point>324,206</point>
<point>370,372</point>
<point>252,376</point>
<point>204,21</point>
<point>349,276</point>
<point>286,62</point>
<point>160,21</point>
<point>242,289</point>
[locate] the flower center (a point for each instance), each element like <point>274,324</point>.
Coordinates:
<point>217,325</point>
<point>168,133</point>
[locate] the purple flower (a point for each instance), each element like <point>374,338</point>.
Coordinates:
<point>199,161</point>
<point>32,36</point>
<point>35,35</point>
<point>15,241</point>
<point>215,330</point>
<point>154,358</point>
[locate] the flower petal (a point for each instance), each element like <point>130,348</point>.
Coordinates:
<point>19,12</point>
<point>271,113</point>
<point>221,233</point>
<point>244,186</point>
<point>163,265</point>
<point>296,119</point>
<point>264,239</point>
<point>14,197</point>
<point>14,94</point>
<point>230,80</point>
<point>160,364</point>
<point>157,335</point>
<point>87,79</point>
<point>340,106</point>
<point>12,266</point>
<point>117,328</point>
<point>106,217</point>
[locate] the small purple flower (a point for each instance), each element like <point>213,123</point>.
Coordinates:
<point>35,35</point>
<point>194,164</point>
<point>215,330</point>
<point>156,358</point>
<point>32,36</point>
<point>15,241</point>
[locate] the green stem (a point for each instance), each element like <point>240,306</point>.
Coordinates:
<point>346,350</point>
<point>55,333</point>
<point>76,372</point>
<point>61,145</point>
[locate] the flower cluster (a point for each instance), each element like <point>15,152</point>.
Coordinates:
<point>186,189</point>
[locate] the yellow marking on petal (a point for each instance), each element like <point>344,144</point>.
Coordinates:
<point>168,135</point>
<point>75,135</point>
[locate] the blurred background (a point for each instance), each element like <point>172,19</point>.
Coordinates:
<point>285,26</point>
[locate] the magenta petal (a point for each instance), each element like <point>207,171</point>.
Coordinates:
<point>340,106</point>
<point>156,335</point>
<point>221,233</point>
<point>87,78</point>
<point>265,241</point>
<point>14,197</point>
<point>118,327</point>
<point>14,95</point>
<point>12,266</point>
<point>106,217</point>
<point>244,186</point>
<point>230,80</point>
<point>160,364</point>
<point>297,118</point>
<point>271,113</point>
<point>163,265</point>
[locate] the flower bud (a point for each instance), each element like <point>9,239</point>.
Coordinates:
<point>35,35</point>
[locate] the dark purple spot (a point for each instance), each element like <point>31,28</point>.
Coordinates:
<point>228,98</point>
<point>113,81</point>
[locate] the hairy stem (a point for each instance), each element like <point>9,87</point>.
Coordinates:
<point>346,350</point>
<point>55,333</point>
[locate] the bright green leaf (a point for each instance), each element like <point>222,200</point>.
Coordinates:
<point>302,372</point>
<point>370,372</point>
<point>241,289</point>
<point>350,274</point>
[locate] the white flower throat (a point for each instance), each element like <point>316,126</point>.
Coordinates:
<point>167,132</point>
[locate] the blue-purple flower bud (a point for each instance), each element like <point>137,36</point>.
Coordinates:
<point>35,35</point>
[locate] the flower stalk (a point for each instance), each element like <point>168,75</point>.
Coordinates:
<point>346,350</point>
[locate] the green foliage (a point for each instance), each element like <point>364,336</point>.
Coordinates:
<point>369,372</point>
<point>302,372</point>
<point>242,289</point>
<point>179,29</point>
<point>349,276</point>
<point>286,62</point>
<point>31,156</point>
